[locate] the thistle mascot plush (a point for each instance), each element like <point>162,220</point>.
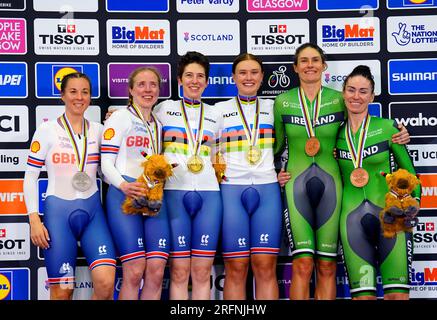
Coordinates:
<point>156,171</point>
<point>399,213</point>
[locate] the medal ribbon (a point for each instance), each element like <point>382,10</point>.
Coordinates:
<point>80,162</point>
<point>306,115</point>
<point>357,157</point>
<point>194,140</point>
<point>251,135</point>
<point>152,131</point>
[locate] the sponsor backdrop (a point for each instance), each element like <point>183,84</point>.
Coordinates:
<point>43,40</point>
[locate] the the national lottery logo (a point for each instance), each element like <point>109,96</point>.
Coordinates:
<point>134,37</point>
<point>350,35</point>
<point>411,33</point>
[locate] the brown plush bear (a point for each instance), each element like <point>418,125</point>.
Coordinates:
<point>156,170</point>
<point>399,213</point>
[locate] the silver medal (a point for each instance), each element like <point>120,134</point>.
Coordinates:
<point>81,181</point>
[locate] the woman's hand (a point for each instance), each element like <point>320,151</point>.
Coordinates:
<point>133,189</point>
<point>283,177</point>
<point>402,137</point>
<point>38,232</point>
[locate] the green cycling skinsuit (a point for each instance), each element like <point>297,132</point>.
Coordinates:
<point>314,192</point>
<point>364,247</point>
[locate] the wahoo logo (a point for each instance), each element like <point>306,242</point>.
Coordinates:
<point>242,242</point>
<point>350,32</point>
<point>204,239</point>
<point>102,250</point>
<point>418,117</point>
<point>140,34</point>
<point>418,121</point>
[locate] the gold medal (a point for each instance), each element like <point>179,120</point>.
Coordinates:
<point>195,164</point>
<point>312,146</point>
<point>359,177</point>
<point>253,155</point>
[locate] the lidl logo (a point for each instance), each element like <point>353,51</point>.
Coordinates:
<point>14,284</point>
<point>411,4</point>
<point>49,77</point>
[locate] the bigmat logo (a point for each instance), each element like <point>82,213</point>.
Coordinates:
<point>66,5</point>
<point>208,6</point>
<point>425,236</point>
<point>423,155</point>
<point>411,33</point>
<point>211,37</point>
<point>423,279</point>
<point>350,5</point>
<point>428,199</point>
<point>349,35</point>
<point>49,77</point>
<point>14,241</point>
<point>411,4</point>
<point>14,284</point>
<point>337,72</point>
<point>118,77</point>
<point>66,37</point>
<point>276,37</point>
<point>12,197</point>
<point>277,5</point>
<point>13,36</point>
<point>14,124</point>
<point>13,80</point>
<point>14,5</point>
<point>13,160</point>
<point>47,113</point>
<point>138,37</point>
<point>412,76</point>
<point>137,6</point>
<point>418,117</point>
<point>220,82</point>
<point>278,78</point>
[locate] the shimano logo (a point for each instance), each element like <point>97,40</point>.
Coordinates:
<point>414,76</point>
<point>419,121</point>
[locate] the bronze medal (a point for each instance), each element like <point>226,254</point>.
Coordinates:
<point>195,164</point>
<point>359,177</point>
<point>312,146</point>
<point>253,155</point>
